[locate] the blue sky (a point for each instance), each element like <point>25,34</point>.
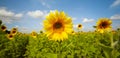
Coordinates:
<point>28,15</point>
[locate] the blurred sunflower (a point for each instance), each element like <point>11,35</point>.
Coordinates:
<point>113,31</point>
<point>41,32</point>
<point>34,34</point>
<point>79,26</point>
<point>10,36</point>
<point>13,31</point>
<point>104,24</point>
<point>73,32</point>
<point>57,26</point>
<point>3,28</point>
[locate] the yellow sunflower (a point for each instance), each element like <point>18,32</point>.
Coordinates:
<point>13,31</point>
<point>57,26</point>
<point>104,24</point>
<point>10,36</point>
<point>73,32</point>
<point>79,26</point>
<point>3,28</point>
<point>113,31</point>
<point>34,34</point>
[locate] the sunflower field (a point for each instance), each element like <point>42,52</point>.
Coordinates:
<point>59,40</point>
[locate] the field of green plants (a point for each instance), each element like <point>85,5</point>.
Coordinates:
<point>78,45</point>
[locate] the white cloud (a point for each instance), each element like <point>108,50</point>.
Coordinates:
<point>75,26</point>
<point>23,29</point>
<point>16,26</point>
<point>4,12</point>
<point>6,20</point>
<point>115,17</point>
<point>86,20</point>
<point>74,18</point>
<point>115,3</point>
<point>118,26</point>
<point>41,24</point>
<point>8,16</point>
<point>44,3</point>
<point>37,14</point>
<point>19,15</point>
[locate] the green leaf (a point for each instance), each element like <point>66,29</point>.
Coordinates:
<point>116,54</point>
<point>107,50</point>
<point>51,55</point>
<point>70,56</point>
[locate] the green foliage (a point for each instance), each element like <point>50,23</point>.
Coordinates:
<point>14,48</point>
<point>80,45</point>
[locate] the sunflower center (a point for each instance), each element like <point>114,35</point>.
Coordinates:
<point>104,24</point>
<point>79,25</point>
<point>41,31</point>
<point>3,27</point>
<point>72,31</point>
<point>11,36</point>
<point>57,25</point>
<point>34,34</point>
<point>14,31</point>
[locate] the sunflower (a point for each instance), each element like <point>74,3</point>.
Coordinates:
<point>73,32</point>
<point>41,32</point>
<point>104,24</point>
<point>79,26</point>
<point>57,26</point>
<point>13,31</point>
<point>33,34</point>
<point>10,36</point>
<point>3,27</point>
<point>113,31</point>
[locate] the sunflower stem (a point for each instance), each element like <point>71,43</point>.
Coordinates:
<point>112,46</point>
<point>111,39</point>
<point>59,47</point>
